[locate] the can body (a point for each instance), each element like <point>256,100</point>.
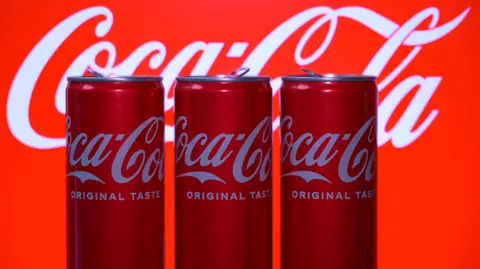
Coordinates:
<point>115,199</point>
<point>329,151</point>
<point>223,174</point>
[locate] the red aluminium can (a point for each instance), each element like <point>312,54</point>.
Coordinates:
<point>329,180</point>
<point>115,199</point>
<point>223,185</point>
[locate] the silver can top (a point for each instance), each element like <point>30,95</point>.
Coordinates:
<point>235,76</point>
<point>314,77</point>
<point>115,79</point>
<point>98,77</point>
<point>223,79</point>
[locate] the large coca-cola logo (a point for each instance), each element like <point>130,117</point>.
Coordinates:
<point>406,130</point>
<point>129,160</point>
<point>248,161</point>
<point>319,152</point>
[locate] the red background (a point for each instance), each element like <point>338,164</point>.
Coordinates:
<point>428,198</point>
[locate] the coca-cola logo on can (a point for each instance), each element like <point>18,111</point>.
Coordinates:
<point>321,153</point>
<point>84,151</point>
<point>216,150</point>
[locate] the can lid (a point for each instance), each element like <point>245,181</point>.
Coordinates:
<point>223,79</point>
<point>99,77</point>
<point>235,76</point>
<point>314,77</point>
<point>115,79</point>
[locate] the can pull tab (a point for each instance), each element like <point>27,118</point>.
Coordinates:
<point>95,73</point>
<point>240,72</point>
<point>313,74</point>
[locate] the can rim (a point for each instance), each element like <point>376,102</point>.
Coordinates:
<point>115,79</point>
<point>223,79</point>
<point>330,78</point>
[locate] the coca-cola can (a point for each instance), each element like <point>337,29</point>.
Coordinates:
<point>223,161</point>
<point>115,199</point>
<point>329,162</point>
